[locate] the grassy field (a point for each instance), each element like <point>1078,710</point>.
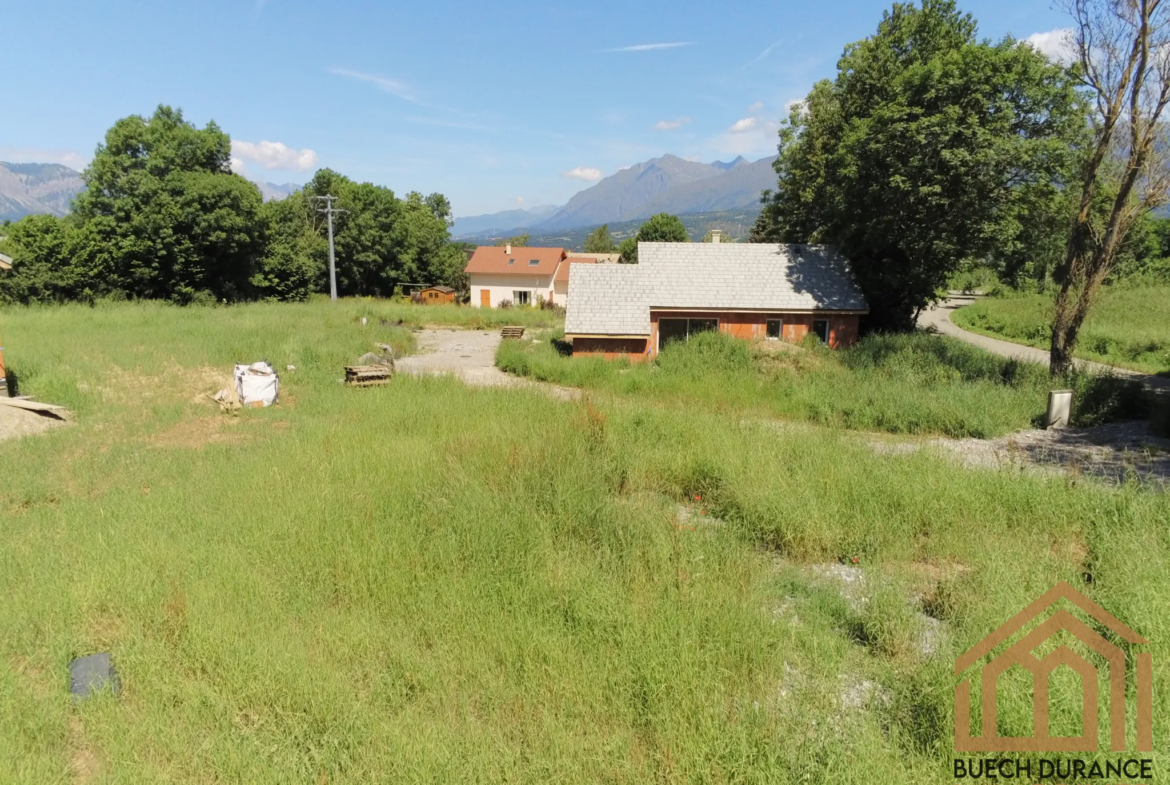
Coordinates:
<point>1128,327</point>
<point>918,384</point>
<point>428,583</point>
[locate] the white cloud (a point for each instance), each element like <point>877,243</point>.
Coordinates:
<point>238,166</point>
<point>742,126</point>
<point>272,155</point>
<point>384,83</point>
<point>758,139</point>
<point>767,51</point>
<point>649,47</point>
<point>520,200</point>
<point>757,106</point>
<point>793,103</point>
<point>1056,44</point>
<point>589,174</point>
<point>670,125</point>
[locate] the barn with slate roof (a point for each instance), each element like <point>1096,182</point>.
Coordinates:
<point>754,291</point>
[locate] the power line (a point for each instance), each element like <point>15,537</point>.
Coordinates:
<point>329,211</point>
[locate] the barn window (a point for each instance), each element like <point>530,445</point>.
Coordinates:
<point>520,297</point>
<point>773,329</point>
<point>821,329</point>
<point>671,330</point>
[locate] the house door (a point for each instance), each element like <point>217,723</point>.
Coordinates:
<point>485,298</point>
<point>821,330</point>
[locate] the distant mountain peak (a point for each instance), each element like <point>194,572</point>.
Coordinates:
<point>665,184</point>
<point>37,189</point>
<point>739,161</point>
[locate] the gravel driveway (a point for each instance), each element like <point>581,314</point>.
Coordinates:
<point>469,355</point>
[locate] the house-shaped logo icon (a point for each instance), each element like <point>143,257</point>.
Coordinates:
<point>1020,653</point>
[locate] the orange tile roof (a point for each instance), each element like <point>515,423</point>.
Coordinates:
<point>493,259</point>
<point>562,275</point>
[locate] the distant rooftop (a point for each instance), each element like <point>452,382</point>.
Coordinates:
<point>617,299</point>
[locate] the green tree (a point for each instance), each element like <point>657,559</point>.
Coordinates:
<point>163,216</point>
<point>380,241</point>
<point>929,149</point>
<point>599,241</point>
<point>42,248</point>
<point>628,248</point>
<point>663,228</point>
<point>519,241</point>
<point>659,228</point>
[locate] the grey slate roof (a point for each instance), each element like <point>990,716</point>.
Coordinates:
<point>616,299</point>
<point>607,299</point>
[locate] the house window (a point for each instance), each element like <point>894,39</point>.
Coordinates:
<point>821,329</point>
<point>670,330</point>
<point>520,298</point>
<point>511,261</point>
<point>774,328</point>
<point>533,262</point>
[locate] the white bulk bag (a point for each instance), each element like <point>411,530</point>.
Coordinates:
<point>257,384</point>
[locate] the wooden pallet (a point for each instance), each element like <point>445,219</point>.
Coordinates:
<point>367,375</point>
<point>512,332</point>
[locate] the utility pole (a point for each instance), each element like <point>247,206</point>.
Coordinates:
<point>329,212</point>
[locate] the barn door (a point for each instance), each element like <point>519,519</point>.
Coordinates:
<point>485,298</point>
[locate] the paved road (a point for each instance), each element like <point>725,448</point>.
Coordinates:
<point>939,318</point>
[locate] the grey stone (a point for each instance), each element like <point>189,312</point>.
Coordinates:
<point>93,674</point>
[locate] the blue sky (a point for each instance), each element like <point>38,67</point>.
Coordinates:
<point>497,105</point>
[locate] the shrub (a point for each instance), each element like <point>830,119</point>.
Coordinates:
<point>1103,398</point>
<point>505,303</point>
<point>707,352</point>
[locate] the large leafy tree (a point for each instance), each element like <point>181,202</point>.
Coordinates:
<point>928,150</point>
<point>659,228</point>
<point>380,241</point>
<point>163,216</point>
<point>41,247</point>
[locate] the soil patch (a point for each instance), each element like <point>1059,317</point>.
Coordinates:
<point>1116,453</point>
<point>15,423</point>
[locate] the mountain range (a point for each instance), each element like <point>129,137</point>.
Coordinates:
<point>34,189</point>
<point>668,184</point>
<point>48,189</point>
<point>508,220</point>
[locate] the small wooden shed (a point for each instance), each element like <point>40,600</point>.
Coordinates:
<point>437,295</point>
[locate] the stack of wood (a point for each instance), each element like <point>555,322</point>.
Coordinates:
<point>512,332</point>
<point>368,375</point>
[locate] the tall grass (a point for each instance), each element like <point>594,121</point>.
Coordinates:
<point>427,583</point>
<point>1129,326</point>
<point>915,384</point>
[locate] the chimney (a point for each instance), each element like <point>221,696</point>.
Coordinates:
<point>508,248</point>
<point>716,235</point>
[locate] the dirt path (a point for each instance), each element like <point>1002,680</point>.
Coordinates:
<point>15,423</point>
<point>469,355</point>
<point>1115,453</point>
<point>938,319</point>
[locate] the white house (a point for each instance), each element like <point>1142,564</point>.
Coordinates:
<point>524,276</point>
<point>520,275</point>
